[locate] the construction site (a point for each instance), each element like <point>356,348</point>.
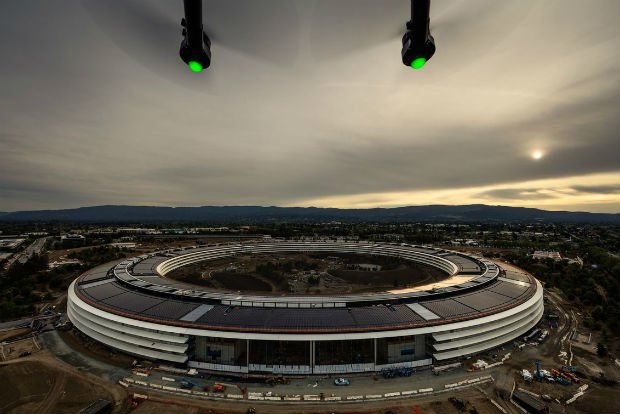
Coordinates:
<point>53,368</point>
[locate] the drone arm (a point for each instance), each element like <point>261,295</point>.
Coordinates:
<point>193,21</point>
<point>420,17</point>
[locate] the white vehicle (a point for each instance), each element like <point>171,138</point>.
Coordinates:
<point>527,375</point>
<point>341,381</point>
<point>543,336</point>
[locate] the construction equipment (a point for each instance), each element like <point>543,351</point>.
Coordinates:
<point>569,368</point>
<point>219,387</point>
<point>537,375</point>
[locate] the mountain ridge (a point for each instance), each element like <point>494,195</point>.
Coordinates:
<point>255,214</point>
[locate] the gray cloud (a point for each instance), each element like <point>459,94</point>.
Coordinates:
<point>527,194</point>
<point>518,194</point>
<point>305,99</point>
<point>598,189</point>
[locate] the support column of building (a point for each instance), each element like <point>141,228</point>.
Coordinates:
<point>312,356</point>
<point>424,342</point>
<point>375,349</point>
<point>247,354</point>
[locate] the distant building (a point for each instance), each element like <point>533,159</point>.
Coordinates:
<point>35,233</point>
<point>463,242</point>
<point>208,230</point>
<point>138,230</point>
<point>11,244</point>
<point>60,263</point>
<point>545,254</point>
<point>73,238</point>
<point>100,231</point>
<point>124,245</point>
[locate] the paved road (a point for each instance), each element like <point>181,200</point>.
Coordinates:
<point>5,326</point>
<point>35,247</point>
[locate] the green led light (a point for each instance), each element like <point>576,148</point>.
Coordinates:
<point>195,66</point>
<point>418,63</point>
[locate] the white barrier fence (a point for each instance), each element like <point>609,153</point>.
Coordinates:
<point>259,396</point>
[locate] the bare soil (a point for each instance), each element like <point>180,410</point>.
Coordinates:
<point>32,386</point>
<point>404,275</point>
<point>241,281</point>
<point>13,333</point>
<point>336,274</point>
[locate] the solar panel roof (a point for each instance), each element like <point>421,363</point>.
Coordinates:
<point>132,301</point>
<point>158,302</point>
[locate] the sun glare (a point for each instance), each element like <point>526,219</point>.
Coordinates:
<point>537,154</point>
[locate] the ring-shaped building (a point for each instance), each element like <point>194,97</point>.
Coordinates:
<point>132,307</point>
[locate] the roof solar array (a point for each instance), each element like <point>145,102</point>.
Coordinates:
<point>133,302</point>
<point>482,301</point>
<point>448,308</point>
<point>516,276</point>
<point>252,318</point>
<point>147,266</point>
<point>466,265</point>
<point>115,296</point>
<point>105,291</point>
<point>509,289</point>
<point>171,300</point>
<point>385,315</point>
<point>171,309</point>
<point>96,273</point>
<point>309,318</point>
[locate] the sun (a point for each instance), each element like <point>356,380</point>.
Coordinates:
<point>537,154</point>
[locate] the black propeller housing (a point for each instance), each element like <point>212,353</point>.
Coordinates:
<point>418,44</point>
<point>196,46</point>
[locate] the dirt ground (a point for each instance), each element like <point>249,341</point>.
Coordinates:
<point>13,333</point>
<point>41,385</point>
<point>335,276</point>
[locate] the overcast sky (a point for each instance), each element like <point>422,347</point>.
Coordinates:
<point>307,103</point>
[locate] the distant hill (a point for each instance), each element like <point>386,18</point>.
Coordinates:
<point>256,214</point>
